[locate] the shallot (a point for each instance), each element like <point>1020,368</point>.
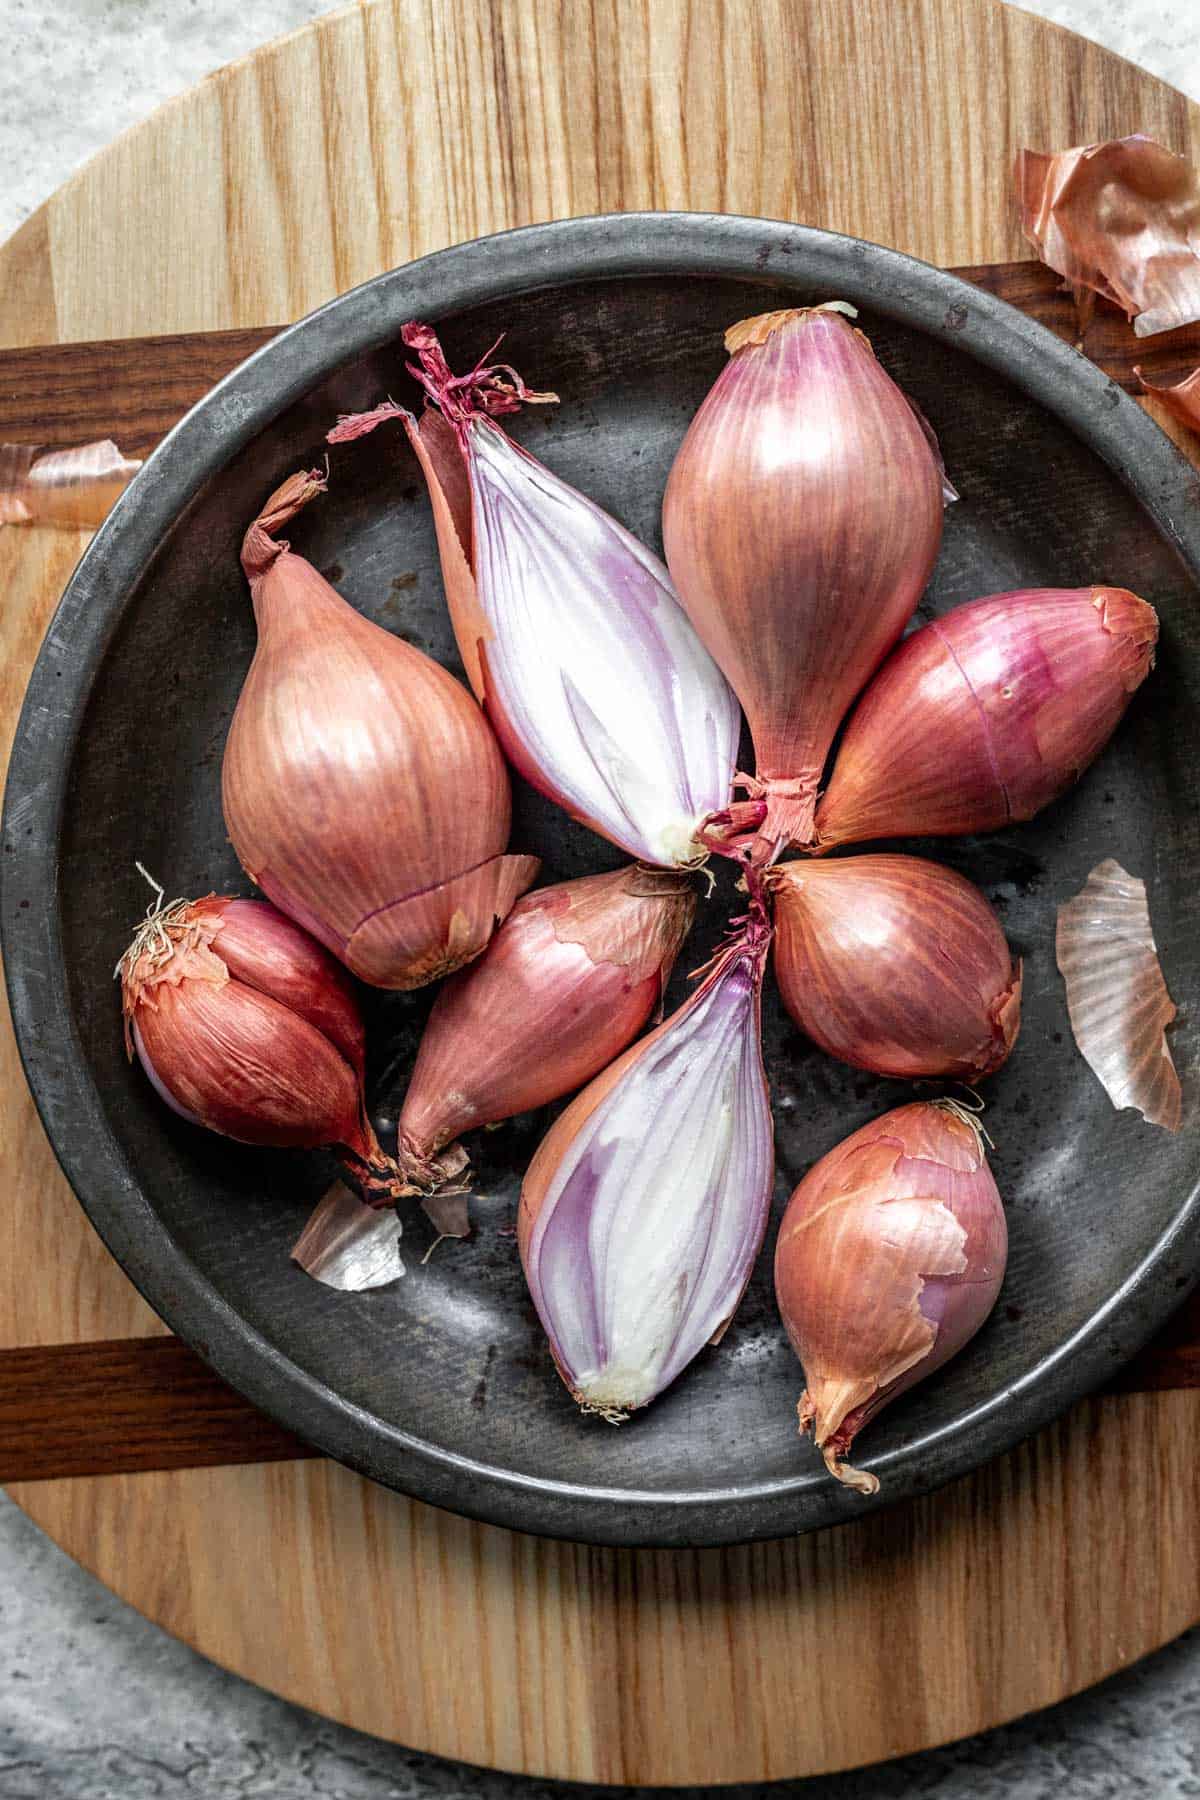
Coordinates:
<point>644,1207</point>
<point>571,634</point>
<point>364,791</point>
<point>984,716</point>
<point>802,520</point>
<point>896,965</point>
<point>890,1257</point>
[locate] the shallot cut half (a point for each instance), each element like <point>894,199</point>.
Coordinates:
<point>1120,220</point>
<point>890,1257</point>
<point>644,1208</point>
<point>802,520</point>
<point>75,488</point>
<point>1117,999</point>
<point>570,631</point>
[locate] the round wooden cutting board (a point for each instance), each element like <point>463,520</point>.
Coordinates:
<point>364,140</point>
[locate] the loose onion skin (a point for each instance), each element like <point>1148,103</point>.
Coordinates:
<point>246,1026</point>
<point>802,520</point>
<point>345,772</point>
<point>890,1257</point>
<point>568,981</point>
<point>982,718</point>
<point>896,965</point>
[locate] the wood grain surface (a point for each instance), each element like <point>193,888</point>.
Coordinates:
<point>371,137</point>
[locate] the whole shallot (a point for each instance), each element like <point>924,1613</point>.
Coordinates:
<point>569,979</point>
<point>802,519</point>
<point>364,791</point>
<point>983,717</point>
<point>896,965</point>
<point>890,1257</point>
<point>571,634</point>
<point>644,1208</point>
<point>245,1025</point>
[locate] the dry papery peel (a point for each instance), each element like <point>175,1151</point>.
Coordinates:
<point>1116,996</point>
<point>1119,219</point>
<point>1180,398</point>
<point>76,488</point>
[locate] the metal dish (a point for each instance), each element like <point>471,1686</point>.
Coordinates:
<point>441,1385</point>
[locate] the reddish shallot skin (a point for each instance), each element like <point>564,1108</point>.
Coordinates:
<point>983,717</point>
<point>568,981</point>
<point>896,965</point>
<point>890,1257</point>
<point>802,520</point>
<point>246,1026</point>
<point>363,789</point>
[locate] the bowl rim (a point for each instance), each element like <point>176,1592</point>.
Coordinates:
<point>505,266</point>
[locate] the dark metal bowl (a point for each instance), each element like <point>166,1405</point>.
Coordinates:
<point>441,1385</point>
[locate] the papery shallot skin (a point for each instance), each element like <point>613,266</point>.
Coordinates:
<point>890,1257</point>
<point>644,1208</point>
<point>247,1026</point>
<point>364,791</point>
<point>896,965</point>
<point>570,631</point>
<point>569,979</point>
<point>983,717</point>
<point>802,520</point>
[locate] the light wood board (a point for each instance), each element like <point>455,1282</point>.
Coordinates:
<point>369,138</point>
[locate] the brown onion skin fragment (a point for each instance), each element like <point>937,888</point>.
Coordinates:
<point>802,520</point>
<point>889,1258</point>
<point>568,981</point>
<point>896,965</point>
<point>983,717</point>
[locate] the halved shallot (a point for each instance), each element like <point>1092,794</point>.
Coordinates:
<point>571,634</point>
<point>364,791</point>
<point>896,965</point>
<point>984,716</point>
<point>890,1257</point>
<point>802,520</point>
<point>644,1207</point>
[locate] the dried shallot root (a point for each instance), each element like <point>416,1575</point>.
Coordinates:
<point>983,717</point>
<point>1120,220</point>
<point>896,965</point>
<point>1116,996</point>
<point>364,790</point>
<point>571,634</point>
<point>890,1257</point>
<point>802,520</point>
<point>644,1208</point>
<point>76,488</point>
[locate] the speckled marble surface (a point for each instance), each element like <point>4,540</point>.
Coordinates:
<point>97,1704</point>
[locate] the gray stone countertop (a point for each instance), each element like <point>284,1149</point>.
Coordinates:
<point>98,1704</point>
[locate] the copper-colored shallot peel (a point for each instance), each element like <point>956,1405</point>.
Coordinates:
<point>890,1257</point>
<point>802,520</point>
<point>644,1208</point>
<point>364,790</point>
<point>245,1025</point>
<point>984,716</point>
<point>568,981</point>
<point>571,634</point>
<point>896,965</point>
<point>1181,398</point>
<point>1116,996</point>
<point>1120,220</point>
<point>76,488</point>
